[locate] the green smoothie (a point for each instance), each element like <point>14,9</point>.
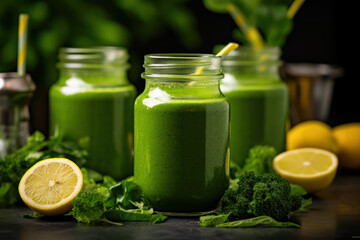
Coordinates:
<point>100,119</point>
<point>181,151</point>
<point>259,111</point>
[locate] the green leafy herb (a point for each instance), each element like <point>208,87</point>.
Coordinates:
<point>130,215</point>
<point>94,175</point>
<point>213,220</point>
<point>14,166</point>
<point>269,17</point>
<point>260,220</point>
<point>297,189</point>
<point>88,182</point>
<point>35,215</point>
<point>125,194</point>
<point>93,179</point>
<point>121,202</point>
<point>57,148</point>
<point>304,204</point>
<point>157,218</point>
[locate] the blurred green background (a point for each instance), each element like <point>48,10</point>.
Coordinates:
<point>145,26</point>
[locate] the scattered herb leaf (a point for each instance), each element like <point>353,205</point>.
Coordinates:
<point>260,220</point>
<point>304,204</point>
<point>213,220</point>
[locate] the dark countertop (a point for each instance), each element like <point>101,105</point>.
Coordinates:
<point>335,213</point>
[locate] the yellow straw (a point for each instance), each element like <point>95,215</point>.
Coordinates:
<point>294,8</point>
<point>251,33</point>
<point>22,44</point>
<point>227,49</point>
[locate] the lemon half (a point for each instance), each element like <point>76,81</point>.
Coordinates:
<point>313,169</point>
<point>50,185</point>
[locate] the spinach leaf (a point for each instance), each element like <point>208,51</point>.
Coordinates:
<point>213,220</point>
<point>157,218</point>
<point>124,194</point>
<point>261,220</point>
<point>35,215</point>
<point>297,189</point>
<point>304,204</point>
<point>108,181</point>
<point>129,215</point>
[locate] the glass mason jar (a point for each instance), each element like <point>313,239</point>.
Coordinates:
<point>15,94</point>
<point>92,104</point>
<point>258,99</point>
<point>182,133</point>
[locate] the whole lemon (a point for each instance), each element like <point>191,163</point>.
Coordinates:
<point>348,139</point>
<point>311,134</point>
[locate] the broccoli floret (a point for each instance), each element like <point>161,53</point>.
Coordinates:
<point>235,204</point>
<point>271,197</point>
<point>259,190</point>
<point>89,206</point>
<point>260,159</point>
<point>275,204</point>
<point>276,182</point>
<point>246,184</point>
<point>296,201</point>
<point>268,194</point>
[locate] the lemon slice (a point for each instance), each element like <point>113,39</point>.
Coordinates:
<point>50,185</point>
<point>313,169</point>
